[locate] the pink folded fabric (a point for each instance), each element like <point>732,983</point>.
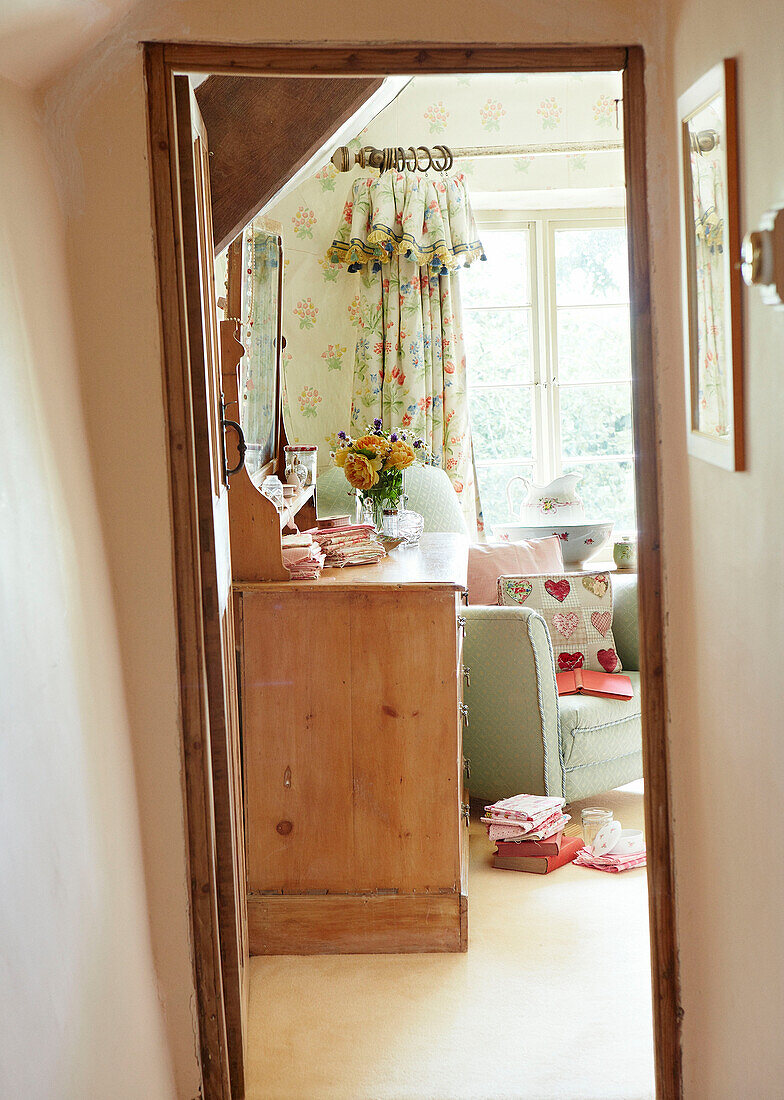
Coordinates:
<point>611,863</point>
<point>524,808</point>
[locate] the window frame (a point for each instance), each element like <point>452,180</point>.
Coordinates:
<point>542,226</point>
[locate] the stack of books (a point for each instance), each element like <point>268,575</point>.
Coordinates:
<point>351,544</point>
<point>537,857</point>
<point>529,834</point>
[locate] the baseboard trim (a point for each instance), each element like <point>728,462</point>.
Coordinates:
<point>356,924</point>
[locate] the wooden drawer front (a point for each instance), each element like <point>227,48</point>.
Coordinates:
<point>353,759</point>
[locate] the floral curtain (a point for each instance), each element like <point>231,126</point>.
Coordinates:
<point>407,234</point>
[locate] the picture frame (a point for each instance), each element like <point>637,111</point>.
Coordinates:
<point>712,299</point>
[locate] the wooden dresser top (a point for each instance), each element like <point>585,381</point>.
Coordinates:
<point>440,561</point>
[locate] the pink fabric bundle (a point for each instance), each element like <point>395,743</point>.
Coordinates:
<point>525,816</point>
<point>304,562</point>
<point>612,863</point>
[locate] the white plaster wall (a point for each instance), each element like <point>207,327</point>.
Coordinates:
<point>726,625</point>
<point>82,1016</point>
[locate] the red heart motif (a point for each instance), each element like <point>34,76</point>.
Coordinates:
<point>559,590</point>
<point>602,620</point>
<point>568,661</point>
<point>608,659</point>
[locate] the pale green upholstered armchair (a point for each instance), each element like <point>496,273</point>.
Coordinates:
<point>428,489</point>
<point>523,738</point>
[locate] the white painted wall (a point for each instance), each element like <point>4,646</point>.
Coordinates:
<point>82,1016</point>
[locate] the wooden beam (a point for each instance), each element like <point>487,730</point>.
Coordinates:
<point>667,1012</point>
<point>263,131</point>
<point>386,60</point>
<point>200,823</point>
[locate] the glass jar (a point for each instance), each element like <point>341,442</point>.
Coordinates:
<point>593,819</point>
<point>410,526</point>
<point>302,462</point>
<point>272,489</point>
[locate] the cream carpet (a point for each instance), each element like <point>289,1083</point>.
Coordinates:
<point>551,1002</point>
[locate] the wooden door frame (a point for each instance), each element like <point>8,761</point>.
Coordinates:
<point>162,61</point>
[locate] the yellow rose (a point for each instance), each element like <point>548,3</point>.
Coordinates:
<point>375,443</point>
<point>341,456</point>
<point>360,471</point>
<point>401,455</point>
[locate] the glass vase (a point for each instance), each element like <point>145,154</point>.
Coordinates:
<point>382,512</point>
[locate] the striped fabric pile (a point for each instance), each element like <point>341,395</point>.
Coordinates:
<point>303,557</point>
<point>351,544</point>
<point>525,817</point>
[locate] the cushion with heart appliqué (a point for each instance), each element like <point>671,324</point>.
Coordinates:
<point>578,610</point>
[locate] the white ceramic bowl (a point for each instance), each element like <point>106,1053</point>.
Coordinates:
<point>629,843</point>
<point>579,541</point>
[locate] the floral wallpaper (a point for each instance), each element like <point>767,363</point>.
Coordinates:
<point>321,304</point>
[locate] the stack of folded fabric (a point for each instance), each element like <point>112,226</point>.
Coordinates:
<point>613,861</point>
<point>525,817</point>
<point>303,557</point>
<point>351,544</point>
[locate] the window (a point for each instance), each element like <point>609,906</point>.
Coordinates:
<point>548,352</point>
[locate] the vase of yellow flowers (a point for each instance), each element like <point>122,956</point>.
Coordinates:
<point>373,464</point>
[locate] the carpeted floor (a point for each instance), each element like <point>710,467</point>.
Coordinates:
<point>551,1002</point>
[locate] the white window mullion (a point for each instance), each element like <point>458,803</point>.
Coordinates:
<point>549,311</point>
<point>543,443</point>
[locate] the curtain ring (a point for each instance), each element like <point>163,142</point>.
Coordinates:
<point>411,153</point>
<point>444,154</point>
<point>449,153</point>
<point>401,160</point>
<point>425,149</point>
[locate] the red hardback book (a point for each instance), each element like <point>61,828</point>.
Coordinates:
<point>584,681</point>
<point>549,847</point>
<point>541,865</point>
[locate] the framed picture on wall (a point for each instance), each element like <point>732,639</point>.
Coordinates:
<point>711,268</point>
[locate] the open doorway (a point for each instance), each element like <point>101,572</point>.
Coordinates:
<point>162,64</point>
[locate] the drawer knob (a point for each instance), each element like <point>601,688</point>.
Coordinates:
<point>284,828</point>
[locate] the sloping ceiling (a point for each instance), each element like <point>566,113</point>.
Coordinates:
<point>39,38</point>
<point>262,130</point>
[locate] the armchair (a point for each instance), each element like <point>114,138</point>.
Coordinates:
<point>521,736</point>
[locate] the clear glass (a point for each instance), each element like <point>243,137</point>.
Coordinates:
<point>303,461</point>
<point>493,481</point>
<point>591,266</point>
<point>502,422</point>
<point>594,344</point>
<point>410,526</point>
<point>607,491</point>
<point>593,819</point>
<point>498,346</point>
<point>503,279</point>
<point>272,489</point>
<point>596,420</point>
